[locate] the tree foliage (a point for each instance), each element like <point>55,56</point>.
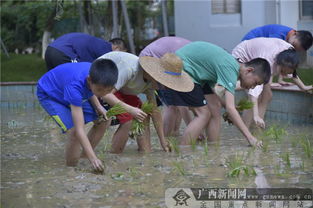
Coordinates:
<point>24,21</point>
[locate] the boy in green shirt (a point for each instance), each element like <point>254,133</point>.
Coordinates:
<point>208,65</point>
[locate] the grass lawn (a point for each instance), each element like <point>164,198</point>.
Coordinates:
<point>31,67</point>
<point>22,68</point>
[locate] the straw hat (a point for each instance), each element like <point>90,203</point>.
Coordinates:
<point>168,70</point>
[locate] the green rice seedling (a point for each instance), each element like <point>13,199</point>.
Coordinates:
<point>174,144</point>
<point>147,107</point>
<point>237,166</point>
<point>118,176</point>
<point>137,127</point>
<point>243,104</point>
<point>115,110</point>
<point>265,143</point>
<point>179,168</point>
<point>286,159</point>
<point>134,171</point>
<point>307,147</point>
<point>193,143</point>
<point>275,132</point>
<point>206,148</point>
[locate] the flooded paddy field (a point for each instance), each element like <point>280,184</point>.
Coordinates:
<point>33,171</point>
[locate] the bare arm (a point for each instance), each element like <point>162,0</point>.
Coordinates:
<point>137,113</point>
<point>80,134</point>
<point>157,120</point>
<point>282,82</point>
<point>301,85</point>
<point>236,119</point>
<point>97,106</point>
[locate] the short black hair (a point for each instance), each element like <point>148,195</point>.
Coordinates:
<point>103,72</point>
<point>305,38</point>
<point>261,68</point>
<point>119,42</point>
<point>288,58</point>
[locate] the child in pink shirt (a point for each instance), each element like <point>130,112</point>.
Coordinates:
<point>283,60</point>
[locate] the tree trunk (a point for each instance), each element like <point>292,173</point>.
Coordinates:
<point>45,42</point>
<point>164,17</point>
<point>128,28</point>
<point>82,21</point>
<point>115,19</point>
<point>4,48</point>
<point>49,26</point>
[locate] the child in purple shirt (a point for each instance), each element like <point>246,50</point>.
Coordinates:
<point>172,115</point>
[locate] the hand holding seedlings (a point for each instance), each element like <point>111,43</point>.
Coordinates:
<point>243,104</point>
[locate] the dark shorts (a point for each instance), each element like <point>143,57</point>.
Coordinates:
<point>195,98</point>
<point>54,57</point>
<point>132,100</point>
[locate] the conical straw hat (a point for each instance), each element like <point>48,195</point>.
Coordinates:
<point>168,70</point>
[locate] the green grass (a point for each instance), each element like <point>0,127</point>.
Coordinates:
<point>22,68</point>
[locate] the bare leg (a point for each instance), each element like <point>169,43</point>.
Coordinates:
<point>72,149</point>
<point>143,141</point>
<point>96,133</point>
<point>214,126</point>
<point>120,137</point>
<point>185,113</point>
<point>169,118</point>
<point>197,125</point>
<point>177,124</point>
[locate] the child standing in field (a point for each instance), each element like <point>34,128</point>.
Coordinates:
<point>283,60</point>
<point>79,47</point>
<point>301,40</point>
<point>144,77</point>
<point>172,115</point>
<point>69,94</point>
<point>208,65</point>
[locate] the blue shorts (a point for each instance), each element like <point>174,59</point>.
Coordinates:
<point>62,113</point>
<point>195,98</point>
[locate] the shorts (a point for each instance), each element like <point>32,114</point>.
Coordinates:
<point>62,113</point>
<point>132,100</point>
<point>195,98</point>
<point>54,58</point>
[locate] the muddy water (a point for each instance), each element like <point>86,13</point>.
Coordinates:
<point>33,173</point>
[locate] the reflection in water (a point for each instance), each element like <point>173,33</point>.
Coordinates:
<point>33,173</point>
<point>260,180</point>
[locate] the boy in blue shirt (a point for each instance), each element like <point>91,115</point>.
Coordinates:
<point>79,47</point>
<point>301,39</point>
<point>69,94</point>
